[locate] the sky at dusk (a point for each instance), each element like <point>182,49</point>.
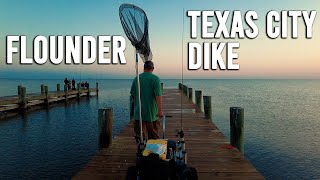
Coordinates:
<point>258,58</point>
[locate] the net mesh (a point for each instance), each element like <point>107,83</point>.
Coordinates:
<point>135,24</point>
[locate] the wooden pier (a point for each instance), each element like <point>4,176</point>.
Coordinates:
<point>207,148</point>
<point>23,101</point>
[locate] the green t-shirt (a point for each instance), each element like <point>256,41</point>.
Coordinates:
<point>150,87</point>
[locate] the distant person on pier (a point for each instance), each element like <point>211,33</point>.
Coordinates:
<point>73,84</point>
<point>66,81</point>
<point>86,85</point>
<point>151,102</point>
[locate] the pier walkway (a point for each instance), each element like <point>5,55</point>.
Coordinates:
<point>10,105</point>
<point>207,148</point>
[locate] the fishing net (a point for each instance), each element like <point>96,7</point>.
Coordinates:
<point>135,24</point>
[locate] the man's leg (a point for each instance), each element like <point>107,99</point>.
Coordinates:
<point>137,130</point>
<point>145,130</point>
<point>153,129</point>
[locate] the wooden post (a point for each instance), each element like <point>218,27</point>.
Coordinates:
<point>237,128</point>
<point>42,89</point>
<point>105,127</point>
<point>19,91</point>
<point>58,87</point>
<point>190,93</point>
<point>207,107</point>
<point>66,92</point>
<point>161,86</point>
<point>46,91</point>
<point>97,88</point>
<point>187,91</point>
<point>88,94</point>
<point>184,89</point>
<point>180,86</point>
<point>78,90</point>
<point>23,96</point>
<point>198,99</point>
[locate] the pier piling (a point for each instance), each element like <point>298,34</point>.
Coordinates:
<point>105,127</point>
<point>19,90</point>
<point>23,96</point>
<point>78,91</point>
<point>207,107</point>
<point>237,128</point>
<point>42,89</point>
<point>97,88</point>
<point>46,91</point>
<point>185,90</point>
<point>66,92</point>
<point>88,94</point>
<point>190,93</point>
<point>198,100</point>
<point>180,86</point>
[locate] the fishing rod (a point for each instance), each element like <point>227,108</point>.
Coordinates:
<point>182,38</point>
<point>181,144</point>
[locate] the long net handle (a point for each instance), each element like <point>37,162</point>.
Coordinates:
<point>139,98</point>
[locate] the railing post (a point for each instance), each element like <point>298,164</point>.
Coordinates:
<point>97,88</point>
<point>161,86</point>
<point>207,107</point>
<point>42,89</point>
<point>185,90</point>
<point>58,87</point>
<point>78,91</point>
<point>46,91</point>
<point>23,96</point>
<point>19,91</point>
<point>105,127</point>
<point>237,128</point>
<point>190,93</point>
<point>198,99</point>
<point>180,86</point>
<point>88,94</point>
<point>66,92</point>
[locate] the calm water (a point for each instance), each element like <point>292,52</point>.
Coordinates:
<point>282,137</point>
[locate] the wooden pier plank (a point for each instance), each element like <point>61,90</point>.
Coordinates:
<point>205,144</point>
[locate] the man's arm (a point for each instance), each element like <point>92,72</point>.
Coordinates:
<point>159,104</point>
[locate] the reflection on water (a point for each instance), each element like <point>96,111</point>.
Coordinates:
<point>281,126</point>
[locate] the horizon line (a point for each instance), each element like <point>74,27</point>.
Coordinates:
<point>249,78</point>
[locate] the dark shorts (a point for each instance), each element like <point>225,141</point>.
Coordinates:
<point>150,129</point>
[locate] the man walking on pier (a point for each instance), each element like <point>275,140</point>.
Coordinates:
<point>151,102</point>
